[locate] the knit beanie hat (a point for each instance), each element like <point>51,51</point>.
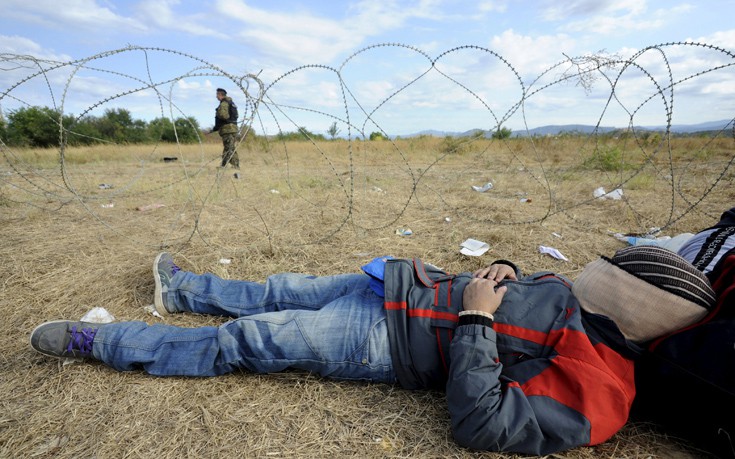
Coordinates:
<point>648,291</point>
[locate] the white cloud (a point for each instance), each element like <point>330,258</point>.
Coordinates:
<point>611,17</point>
<point>720,87</point>
<point>532,55</point>
<point>499,6</point>
<point>303,37</point>
<point>724,39</point>
<point>160,14</point>
<point>27,47</point>
<point>86,14</point>
<point>563,11</point>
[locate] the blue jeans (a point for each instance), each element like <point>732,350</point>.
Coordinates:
<point>334,326</point>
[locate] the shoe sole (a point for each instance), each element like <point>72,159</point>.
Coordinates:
<point>158,293</point>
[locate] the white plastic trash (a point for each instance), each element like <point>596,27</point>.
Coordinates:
<point>615,194</point>
<point>473,247</point>
<point>483,188</point>
<point>98,315</point>
<point>552,252</point>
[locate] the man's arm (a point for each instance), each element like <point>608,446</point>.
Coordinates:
<point>561,402</point>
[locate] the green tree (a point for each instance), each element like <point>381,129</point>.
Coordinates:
<point>84,132</point>
<point>115,124</point>
<point>36,126</point>
<point>3,128</point>
<point>187,130</point>
<point>183,130</point>
<point>333,130</point>
<point>502,133</point>
<point>161,129</point>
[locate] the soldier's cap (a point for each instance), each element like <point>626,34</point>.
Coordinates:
<point>222,91</point>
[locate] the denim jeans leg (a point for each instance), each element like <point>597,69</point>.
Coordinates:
<point>345,338</point>
<point>209,294</point>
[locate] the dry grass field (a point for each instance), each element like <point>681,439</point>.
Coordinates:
<point>319,209</point>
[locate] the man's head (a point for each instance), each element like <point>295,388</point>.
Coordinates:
<point>221,93</point>
<point>647,291</point>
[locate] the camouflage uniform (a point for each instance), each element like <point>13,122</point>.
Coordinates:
<point>228,132</point>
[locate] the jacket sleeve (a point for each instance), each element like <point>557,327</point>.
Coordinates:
<point>490,411</point>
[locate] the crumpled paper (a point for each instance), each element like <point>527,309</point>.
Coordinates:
<point>553,252</point>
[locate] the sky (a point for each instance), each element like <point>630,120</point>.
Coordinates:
<point>399,67</point>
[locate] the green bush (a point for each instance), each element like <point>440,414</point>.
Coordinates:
<point>377,136</point>
<point>606,159</point>
<point>502,133</point>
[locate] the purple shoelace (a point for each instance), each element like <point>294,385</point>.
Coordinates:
<point>174,269</point>
<point>81,340</point>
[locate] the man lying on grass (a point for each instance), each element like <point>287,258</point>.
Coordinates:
<point>529,364</point>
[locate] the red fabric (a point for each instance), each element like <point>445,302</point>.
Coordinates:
<point>395,305</point>
<point>575,378</point>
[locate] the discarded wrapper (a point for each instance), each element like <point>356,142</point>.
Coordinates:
<point>473,247</point>
<point>615,194</point>
<point>483,188</point>
<point>404,232</point>
<point>553,252</point>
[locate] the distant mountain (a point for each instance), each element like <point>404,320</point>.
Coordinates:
<point>582,129</point>
<point>559,129</point>
<point>701,127</point>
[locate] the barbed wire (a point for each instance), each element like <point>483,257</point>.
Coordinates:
<point>269,104</point>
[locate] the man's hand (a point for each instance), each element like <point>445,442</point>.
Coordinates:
<point>480,295</point>
<point>496,272</point>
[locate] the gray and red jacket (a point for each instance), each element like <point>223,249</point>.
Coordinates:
<point>544,377</point>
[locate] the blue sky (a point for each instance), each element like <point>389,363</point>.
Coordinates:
<point>320,64</point>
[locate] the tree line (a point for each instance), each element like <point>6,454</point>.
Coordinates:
<point>40,127</point>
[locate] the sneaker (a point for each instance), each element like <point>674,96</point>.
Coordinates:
<point>64,338</point>
<point>164,269</point>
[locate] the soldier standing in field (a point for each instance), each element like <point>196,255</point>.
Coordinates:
<point>225,121</point>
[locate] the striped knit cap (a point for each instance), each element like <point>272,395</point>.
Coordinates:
<point>666,270</point>
<point>647,291</point>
